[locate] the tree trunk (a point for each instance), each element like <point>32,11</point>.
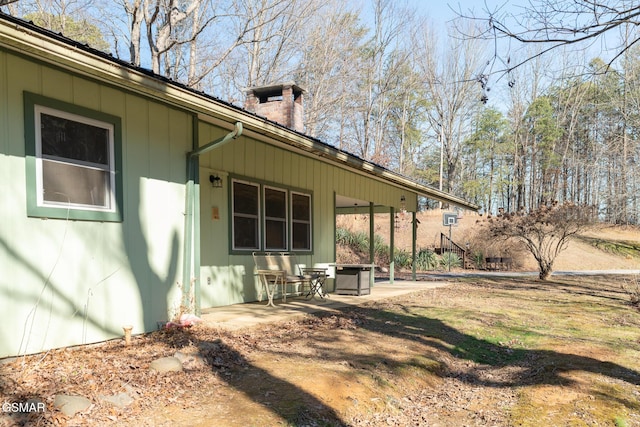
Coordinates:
<point>546,268</point>
<point>137,15</point>
<point>193,50</point>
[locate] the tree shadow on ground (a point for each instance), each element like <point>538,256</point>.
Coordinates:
<point>400,320</point>
<point>533,367</point>
<point>569,285</point>
<point>288,401</point>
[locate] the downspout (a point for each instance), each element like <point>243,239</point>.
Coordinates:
<point>192,234</point>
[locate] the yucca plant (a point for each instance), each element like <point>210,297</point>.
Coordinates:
<point>402,259</point>
<point>450,259</point>
<point>360,241</point>
<point>379,246</point>
<point>342,236</point>
<point>426,259</point>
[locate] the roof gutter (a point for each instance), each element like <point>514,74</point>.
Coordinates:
<point>265,131</point>
<point>36,42</point>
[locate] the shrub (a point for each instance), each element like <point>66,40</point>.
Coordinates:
<point>449,258</point>
<point>544,231</point>
<point>482,244</point>
<point>402,259</point>
<point>478,259</point>
<point>426,260</point>
<point>632,288</point>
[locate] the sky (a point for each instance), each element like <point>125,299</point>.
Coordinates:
<point>440,13</point>
<point>443,11</point>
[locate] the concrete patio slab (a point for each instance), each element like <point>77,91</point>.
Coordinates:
<point>239,316</point>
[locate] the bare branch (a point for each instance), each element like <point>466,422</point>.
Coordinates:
<point>545,231</point>
<point>553,24</point>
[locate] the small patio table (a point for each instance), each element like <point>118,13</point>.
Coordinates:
<point>271,279</point>
<point>316,277</point>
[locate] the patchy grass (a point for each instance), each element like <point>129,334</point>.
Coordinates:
<point>482,352</point>
<point>574,344</point>
<point>626,248</point>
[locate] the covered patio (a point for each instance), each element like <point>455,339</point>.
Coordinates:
<point>407,206</point>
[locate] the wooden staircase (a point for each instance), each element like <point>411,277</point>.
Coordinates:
<point>448,245</point>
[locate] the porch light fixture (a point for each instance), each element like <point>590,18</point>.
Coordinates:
<point>403,204</point>
<point>216,181</point>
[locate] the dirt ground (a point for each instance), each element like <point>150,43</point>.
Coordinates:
<point>478,352</point>
<point>334,370</point>
<point>442,357</point>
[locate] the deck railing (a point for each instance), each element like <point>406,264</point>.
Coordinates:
<point>448,245</point>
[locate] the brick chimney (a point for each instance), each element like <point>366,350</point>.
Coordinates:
<point>281,103</point>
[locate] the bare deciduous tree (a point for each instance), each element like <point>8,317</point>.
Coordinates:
<point>135,12</point>
<point>273,28</point>
<point>545,231</point>
<point>329,70</point>
<point>453,95</point>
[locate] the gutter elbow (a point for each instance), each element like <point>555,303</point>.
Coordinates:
<point>237,131</point>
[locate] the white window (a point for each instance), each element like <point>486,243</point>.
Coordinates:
<point>269,218</point>
<point>246,214</point>
<point>301,221</point>
<point>74,161</point>
<point>73,158</point>
<point>275,219</point>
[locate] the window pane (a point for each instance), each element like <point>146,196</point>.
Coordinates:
<point>301,207</point>
<point>76,172</point>
<point>275,203</point>
<point>67,183</point>
<point>245,216</point>
<point>69,139</point>
<point>245,198</point>
<point>245,233</point>
<point>301,221</point>
<point>275,235</point>
<point>301,236</point>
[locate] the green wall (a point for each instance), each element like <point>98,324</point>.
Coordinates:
<point>71,282</point>
<point>67,282</point>
<point>228,278</point>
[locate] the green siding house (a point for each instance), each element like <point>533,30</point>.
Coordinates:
<point>127,199</point>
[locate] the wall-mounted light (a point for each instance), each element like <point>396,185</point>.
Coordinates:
<point>216,181</point>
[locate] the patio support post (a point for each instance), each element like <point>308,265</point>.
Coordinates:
<point>372,247</point>
<point>414,238</point>
<point>392,235</point>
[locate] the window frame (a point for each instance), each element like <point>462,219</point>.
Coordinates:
<point>36,105</point>
<point>297,221</point>
<point>245,215</point>
<point>262,187</point>
<point>284,220</point>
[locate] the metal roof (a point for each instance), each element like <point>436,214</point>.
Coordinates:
<point>81,58</point>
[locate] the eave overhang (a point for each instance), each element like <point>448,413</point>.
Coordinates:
<point>27,39</point>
